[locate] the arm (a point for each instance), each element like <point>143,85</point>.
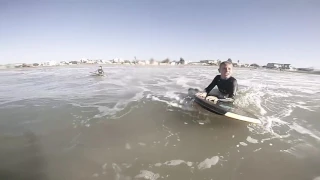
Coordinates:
<point>211,85</point>
<point>234,90</point>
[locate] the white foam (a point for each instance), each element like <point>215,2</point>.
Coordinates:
<point>189,164</point>
<point>142,144</point>
<point>303,130</point>
<point>257,150</point>
<point>119,106</point>
<point>128,146</point>
<point>304,107</point>
<point>173,104</point>
<point>275,136</point>
<point>177,162</point>
<point>171,95</point>
<point>251,140</point>
<point>303,150</point>
<point>250,99</point>
<point>104,166</point>
<point>126,165</point>
<point>182,81</point>
<point>243,144</point>
<point>251,129</point>
<point>207,163</point>
<point>144,174</point>
<point>301,102</point>
<point>271,122</point>
<point>116,168</point>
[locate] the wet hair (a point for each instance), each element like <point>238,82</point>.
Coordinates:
<point>225,63</point>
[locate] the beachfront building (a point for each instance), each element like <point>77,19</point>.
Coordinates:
<point>288,67</point>
<point>254,65</point>
<point>106,62</point>
<point>197,63</point>
<point>101,61</point>
<point>182,61</point>
<point>174,63</point>
<point>84,60</point>
<point>274,65</point>
<point>18,65</point>
<point>49,63</point>
<point>27,65</point>
<point>279,66</point>
<point>240,65</point>
<point>63,63</point>
<point>153,62</point>
<point>118,61</point>
<point>10,66</point>
<point>73,62</point>
<point>89,61</point>
<point>163,64</point>
<point>212,62</point>
<point>236,64</point>
<point>127,62</point>
<point>141,62</point>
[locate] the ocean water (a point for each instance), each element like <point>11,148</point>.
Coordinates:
<point>138,122</point>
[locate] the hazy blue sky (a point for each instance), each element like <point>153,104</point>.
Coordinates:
<point>249,30</point>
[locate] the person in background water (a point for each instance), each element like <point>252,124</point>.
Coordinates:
<point>100,70</point>
<point>227,85</point>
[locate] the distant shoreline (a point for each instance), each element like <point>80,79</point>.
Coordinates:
<point>316,72</point>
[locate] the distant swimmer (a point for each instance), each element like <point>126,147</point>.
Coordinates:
<point>100,71</point>
<point>227,85</point>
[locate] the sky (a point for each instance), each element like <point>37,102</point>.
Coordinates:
<point>251,31</point>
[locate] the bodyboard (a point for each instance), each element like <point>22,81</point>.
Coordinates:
<point>224,108</point>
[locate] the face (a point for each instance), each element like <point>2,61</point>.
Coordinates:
<point>226,71</point>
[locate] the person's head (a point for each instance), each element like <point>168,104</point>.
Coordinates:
<point>100,67</point>
<point>225,69</point>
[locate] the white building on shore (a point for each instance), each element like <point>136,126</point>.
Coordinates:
<point>214,62</point>
<point>49,63</point>
<point>279,66</point>
<point>118,60</point>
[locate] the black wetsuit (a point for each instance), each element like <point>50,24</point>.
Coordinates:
<point>225,86</point>
<point>100,71</point>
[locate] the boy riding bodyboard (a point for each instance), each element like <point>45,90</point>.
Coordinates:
<point>227,85</point>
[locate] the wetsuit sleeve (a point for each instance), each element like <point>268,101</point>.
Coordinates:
<point>211,85</point>
<point>234,89</point>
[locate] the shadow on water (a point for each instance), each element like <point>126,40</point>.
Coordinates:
<point>22,158</point>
